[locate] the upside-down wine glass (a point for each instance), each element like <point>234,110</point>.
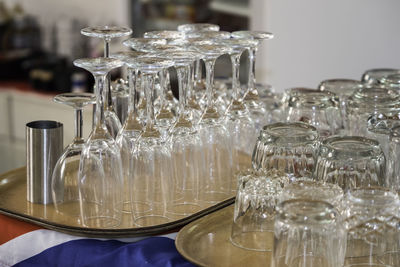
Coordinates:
<point>107,33</point>
<point>216,185</point>
<point>251,98</point>
<point>64,183</point>
<point>132,127</point>
<point>100,171</point>
<point>151,167</point>
<point>187,149</point>
<point>238,120</point>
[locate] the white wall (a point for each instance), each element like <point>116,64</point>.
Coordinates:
<point>321,39</point>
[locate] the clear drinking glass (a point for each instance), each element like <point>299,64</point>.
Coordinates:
<point>216,185</point>
<point>317,108</point>
<point>308,233</point>
<point>132,127</point>
<point>376,76</point>
<point>343,88</point>
<point>254,213</point>
<point>368,101</point>
<point>64,183</point>
<point>372,221</point>
<point>100,170</point>
<point>288,147</point>
<point>350,162</point>
<point>151,167</point>
<point>107,33</point>
<point>251,98</point>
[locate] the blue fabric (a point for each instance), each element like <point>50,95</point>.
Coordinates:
<point>153,251</point>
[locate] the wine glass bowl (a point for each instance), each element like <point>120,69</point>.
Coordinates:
<point>100,180</point>
<point>151,168</point>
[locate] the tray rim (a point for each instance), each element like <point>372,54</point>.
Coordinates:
<point>117,232</point>
<point>178,238</point>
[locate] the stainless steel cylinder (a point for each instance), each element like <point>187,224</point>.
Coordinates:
<point>44,145</point>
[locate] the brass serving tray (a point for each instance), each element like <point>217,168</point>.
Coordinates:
<point>13,203</point>
<point>206,242</point>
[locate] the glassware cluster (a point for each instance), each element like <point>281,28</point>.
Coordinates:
<point>338,146</point>
<point>318,186</point>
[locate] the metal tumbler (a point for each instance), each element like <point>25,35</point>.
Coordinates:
<point>44,145</point>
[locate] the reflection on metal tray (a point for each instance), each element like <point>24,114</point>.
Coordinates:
<point>206,242</point>
<point>13,203</point>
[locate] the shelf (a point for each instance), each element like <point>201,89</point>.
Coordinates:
<point>237,8</point>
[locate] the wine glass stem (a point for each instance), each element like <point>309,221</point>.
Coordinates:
<point>209,80</point>
<point>107,103</point>
<point>182,78</point>
<point>78,124</point>
<point>106,47</point>
<point>197,72</point>
<point>138,90</point>
<point>235,58</point>
<point>132,90</point>
<point>149,91</point>
<point>163,80</point>
<point>252,69</point>
<point>190,81</point>
<point>100,97</point>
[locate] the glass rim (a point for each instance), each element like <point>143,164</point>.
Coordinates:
<point>364,196</point>
<point>340,85</point>
<point>305,188</point>
<point>332,142</point>
<point>375,75</point>
<point>314,99</point>
<point>392,80</point>
<point>306,211</point>
<point>373,99</point>
<point>285,130</point>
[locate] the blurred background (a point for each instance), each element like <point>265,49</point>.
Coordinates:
<point>314,40</point>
